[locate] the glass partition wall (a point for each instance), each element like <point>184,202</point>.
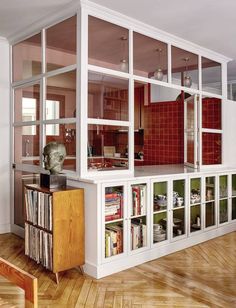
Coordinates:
<point>44,102</point>
<point>126,96</point>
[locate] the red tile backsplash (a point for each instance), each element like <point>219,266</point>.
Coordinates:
<point>211,113</point>
<point>164,133</point>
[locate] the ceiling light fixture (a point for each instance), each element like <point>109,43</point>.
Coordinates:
<point>158,74</point>
<point>123,61</point>
<point>187,78</point>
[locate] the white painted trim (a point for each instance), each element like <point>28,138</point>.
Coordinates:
<point>108,122</point>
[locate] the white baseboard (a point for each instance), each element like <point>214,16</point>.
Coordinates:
<point>152,253</point>
<point>5,228</point>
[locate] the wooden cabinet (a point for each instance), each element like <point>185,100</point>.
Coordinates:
<point>54,227</point>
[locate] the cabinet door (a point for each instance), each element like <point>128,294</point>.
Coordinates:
<point>210,202</point>
<point>138,217</point>
<point>223,199</point>
<point>195,206</point>
<point>233,196</point>
<point>178,209</point>
<point>114,213</point>
<point>160,217</point>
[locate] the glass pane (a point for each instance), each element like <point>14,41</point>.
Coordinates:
<point>159,124</point>
<point>195,214</point>
<point>223,211</point>
<point>21,179</point>
<point>233,208</point>
<point>211,113</point>
<point>26,58</point>
<point>151,61</point>
<point>178,222</point>
<point>139,200</point>
<point>113,239</point>
<point>107,147</point>
<point>159,196</point>
<point>210,214</point>
<point>26,103</point>
<point>159,227</point>
<point>211,148</point>
<point>178,193</point>
<point>190,114</point>
<point>26,145</point>
<point>195,187</point>
<point>138,234</point>
<point>61,44</point>
<point>61,96</point>
<point>66,134</point>
<point>223,186</point>
<point>234,185</point>
<point>184,68</point>
<point>210,188</point>
<point>190,148</point>
<point>114,200</point>
<point>211,76</point>
<point>108,97</point>
<point>108,45</point>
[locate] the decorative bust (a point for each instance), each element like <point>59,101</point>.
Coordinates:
<point>53,157</point>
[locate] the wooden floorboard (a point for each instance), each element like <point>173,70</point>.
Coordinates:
<point>200,276</point>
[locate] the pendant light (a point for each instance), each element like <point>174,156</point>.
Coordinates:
<point>158,74</point>
<point>123,61</point>
<point>187,78</point>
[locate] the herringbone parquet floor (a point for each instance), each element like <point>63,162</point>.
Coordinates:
<point>200,276</point>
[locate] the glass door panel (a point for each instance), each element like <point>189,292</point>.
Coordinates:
<point>233,208</point>
<point>234,185</point>
<point>114,220</point>
<point>195,214</point>
<point>223,211</point>
<point>190,131</point>
<point>195,204</point>
<point>178,208</point>
<point>210,214</point>
<point>223,186</point>
<point>138,227</point>
<point>210,201</point>
<point>160,217</point>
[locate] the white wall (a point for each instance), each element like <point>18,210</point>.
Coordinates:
<point>4,137</point>
<point>229,145</point>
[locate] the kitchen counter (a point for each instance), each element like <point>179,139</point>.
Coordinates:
<point>149,172</point>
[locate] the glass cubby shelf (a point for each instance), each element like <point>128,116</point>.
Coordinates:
<point>178,208</point>
<point>210,201</point>
<point>138,225</point>
<point>160,217</point>
<point>195,205</point>
<point>223,199</point>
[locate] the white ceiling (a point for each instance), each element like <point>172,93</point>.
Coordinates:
<point>209,23</point>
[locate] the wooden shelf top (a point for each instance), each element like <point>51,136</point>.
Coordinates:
<point>49,191</point>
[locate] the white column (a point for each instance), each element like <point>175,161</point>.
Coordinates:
<point>4,137</point>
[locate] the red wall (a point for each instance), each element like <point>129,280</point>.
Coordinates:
<point>164,133</point>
